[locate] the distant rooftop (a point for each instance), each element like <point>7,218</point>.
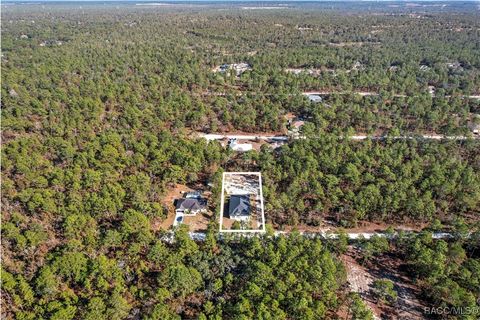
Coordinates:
<point>315,98</point>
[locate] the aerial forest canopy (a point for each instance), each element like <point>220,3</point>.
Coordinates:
<point>393,181</point>
<point>101,105</point>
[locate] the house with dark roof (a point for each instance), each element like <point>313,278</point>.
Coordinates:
<point>239,207</point>
<point>190,206</point>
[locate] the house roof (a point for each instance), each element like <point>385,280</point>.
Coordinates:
<point>298,123</point>
<point>190,204</point>
<point>234,145</point>
<point>242,147</point>
<point>239,205</point>
<point>315,98</point>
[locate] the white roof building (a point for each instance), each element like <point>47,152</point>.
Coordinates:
<point>315,98</point>
<point>475,125</point>
<point>238,68</point>
<point>241,147</point>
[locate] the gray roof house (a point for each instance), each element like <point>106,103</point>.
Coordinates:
<point>190,205</point>
<point>239,207</point>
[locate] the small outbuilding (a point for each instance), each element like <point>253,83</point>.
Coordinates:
<point>315,98</point>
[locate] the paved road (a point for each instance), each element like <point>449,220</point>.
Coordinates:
<point>364,235</point>
<point>260,136</point>
<point>426,137</point>
<point>361,93</point>
<point>325,93</point>
<point>200,236</point>
<point>371,93</point>
<point>215,136</point>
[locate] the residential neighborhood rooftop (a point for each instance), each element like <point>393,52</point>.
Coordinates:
<point>242,147</point>
<point>315,98</point>
<point>192,204</point>
<point>238,68</point>
<point>239,205</point>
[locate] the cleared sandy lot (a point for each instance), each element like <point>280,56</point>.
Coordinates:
<point>248,184</point>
